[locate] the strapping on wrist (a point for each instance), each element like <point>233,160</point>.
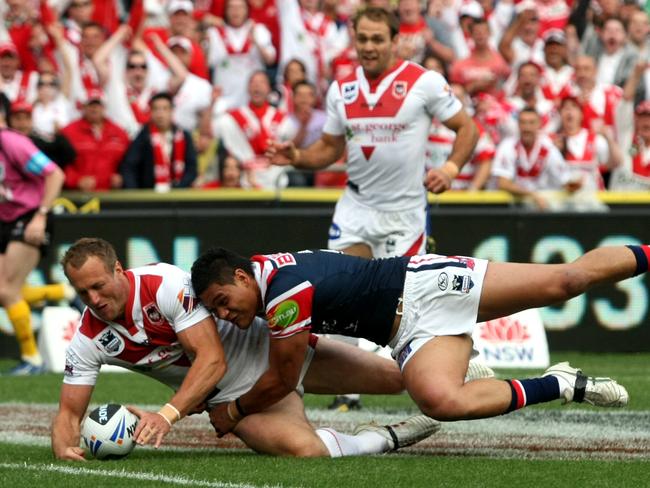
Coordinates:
<point>170,413</point>
<point>450,169</point>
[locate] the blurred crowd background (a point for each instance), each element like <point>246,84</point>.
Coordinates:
<point>113,90</point>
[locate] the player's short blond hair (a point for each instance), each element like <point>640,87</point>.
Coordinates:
<point>378,14</point>
<point>86,247</point>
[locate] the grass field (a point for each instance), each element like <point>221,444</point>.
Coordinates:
<point>549,446</point>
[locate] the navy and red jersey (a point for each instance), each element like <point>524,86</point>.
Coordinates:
<point>331,293</point>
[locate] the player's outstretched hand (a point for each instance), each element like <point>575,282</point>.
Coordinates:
<point>281,153</point>
<point>152,427</point>
<point>437,181</point>
<point>72,453</point>
<point>220,419</point>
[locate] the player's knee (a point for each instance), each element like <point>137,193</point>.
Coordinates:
<point>443,406</point>
<point>306,449</point>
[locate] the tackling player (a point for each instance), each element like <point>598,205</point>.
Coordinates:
<point>424,307</point>
<point>148,320</point>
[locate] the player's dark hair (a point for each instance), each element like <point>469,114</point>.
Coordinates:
<point>378,14</point>
<point>217,265</point>
<point>80,251</point>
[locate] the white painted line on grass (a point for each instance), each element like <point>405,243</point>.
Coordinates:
<point>133,475</point>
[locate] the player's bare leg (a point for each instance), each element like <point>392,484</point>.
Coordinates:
<point>433,376</point>
<point>511,287</point>
<point>15,265</point>
<point>284,430</point>
<point>341,368</point>
<point>435,379</point>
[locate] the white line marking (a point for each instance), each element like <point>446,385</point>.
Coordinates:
<point>133,475</point>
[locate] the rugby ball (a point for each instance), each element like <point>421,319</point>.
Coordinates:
<point>108,431</point>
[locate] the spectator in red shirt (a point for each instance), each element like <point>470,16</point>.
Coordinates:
<point>484,70</point>
<point>100,145</point>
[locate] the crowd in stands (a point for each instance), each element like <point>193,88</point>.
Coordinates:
<point>178,93</point>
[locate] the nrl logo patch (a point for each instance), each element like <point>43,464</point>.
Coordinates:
<point>153,314</point>
<point>350,91</point>
<point>110,342</point>
<point>285,314</point>
<point>462,283</point>
<point>400,88</point>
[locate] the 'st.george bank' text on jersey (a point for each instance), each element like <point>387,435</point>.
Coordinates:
<point>162,304</point>
<point>386,124</point>
<point>330,292</point>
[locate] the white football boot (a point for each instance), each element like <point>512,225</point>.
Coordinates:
<point>405,433</point>
<point>477,369</point>
<point>577,387</point>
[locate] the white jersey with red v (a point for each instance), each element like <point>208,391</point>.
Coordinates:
<point>386,124</point>
<point>160,305</point>
<point>258,124</point>
<point>585,153</point>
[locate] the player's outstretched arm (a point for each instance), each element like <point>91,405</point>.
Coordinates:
<point>202,342</point>
<point>66,424</point>
<point>286,357</point>
<point>327,150</point>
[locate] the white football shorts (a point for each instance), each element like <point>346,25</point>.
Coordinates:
<point>387,233</point>
<point>247,357</point>
<point>441,298</point>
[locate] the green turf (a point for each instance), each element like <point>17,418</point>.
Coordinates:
<point>369,471</point>
<point>407,470</point>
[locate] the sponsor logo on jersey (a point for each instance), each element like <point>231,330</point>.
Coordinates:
<point>443,281</point>
<point>350,91</point>
<point>462,283</point>
<point>284,314</point>
<point>400,88</point>
<point>334,232</point>
<point>110,342</point>
<point>153,313</point>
